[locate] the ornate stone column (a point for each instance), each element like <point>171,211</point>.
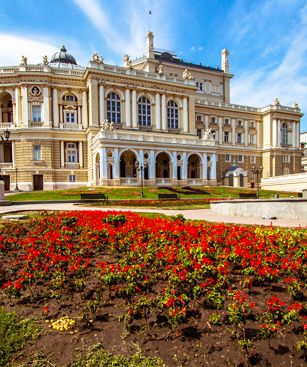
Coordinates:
<point>152,166</point>
<point>62,154</point>
<point>25,106</point>
<point>101,104</point>
<point>185,115</point>
<point>184,166</point>
<point>164,118</point>
<point>46,107</point>
<point>84,110</point>
<point>103,166</point>
<point>134,115</point>
<point>55,108</point>
<point>17,107</point>
<point>158,112</point>
<point>204,167</point>
<point>213,167</point>
<point>80,154</point>
<point>174,155</point>
<point>220,130</point>
<point>233,131</point>
<point>246,133</point>
<point>127,104</point>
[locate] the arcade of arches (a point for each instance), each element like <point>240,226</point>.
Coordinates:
<point>129,166</point>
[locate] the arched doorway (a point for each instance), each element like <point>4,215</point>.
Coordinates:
<point>241,178</point>
<point>163,165</point>
<point>127,164</point>
<point>97,169</point>
<point>194,165</point>
<point>110,171</point>
<point>230,180</point>
<point>6,108</point>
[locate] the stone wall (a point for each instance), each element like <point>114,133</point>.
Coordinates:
<point>273,208</point>
<point>294,183</point>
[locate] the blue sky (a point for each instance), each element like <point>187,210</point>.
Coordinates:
<point>267,39</point>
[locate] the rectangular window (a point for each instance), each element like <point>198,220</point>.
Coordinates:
<point>37,153</point>
<point>36,113</point>
<point>252,124</point>
<point>228,158</point>
<point>198,118</point>
<point>239,138</point>
<point>240,158</point>
<point>252,159</point>
<point>286,159</point>
<point>252,139</point>
<point>213,120</point>
<point>198,132</point>
<point>72,178</point>
<point>226,136</point>
<point>226,121</point>
<point>70,117</point>
<point>240,123</point>
<point>71,153</point>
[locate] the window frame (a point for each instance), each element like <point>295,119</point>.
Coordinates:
<point>144,111</point>
<point>37,153</point>
<point>114,107</point>
<point>39,118</point>
<point>172,114</point>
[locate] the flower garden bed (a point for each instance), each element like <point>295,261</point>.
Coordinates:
<point>193,294</point>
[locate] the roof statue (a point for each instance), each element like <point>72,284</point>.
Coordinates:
<point>24,60</point>
<point>97,58</point>
<point>160,69</point>
<point>296,105</point>
<point>276,102</point>
<point>45,60</point>
<point>127,60</point>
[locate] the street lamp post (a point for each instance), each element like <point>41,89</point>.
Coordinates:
<point>257,171</point>
<point>140,168</point>
<point>16,188</point>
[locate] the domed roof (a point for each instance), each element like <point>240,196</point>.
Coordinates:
<point>63,57</point>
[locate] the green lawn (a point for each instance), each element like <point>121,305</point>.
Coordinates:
<point>116,193</point>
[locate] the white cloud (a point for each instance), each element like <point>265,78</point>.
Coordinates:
<point>135,22</point>
<point>287,80</point>
<point>14,46</point>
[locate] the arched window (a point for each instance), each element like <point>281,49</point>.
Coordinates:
<point>284,134</point>
<point>172,115</point>
<point>113,108</point>
<point>70,98</point>
<point>144,112</point>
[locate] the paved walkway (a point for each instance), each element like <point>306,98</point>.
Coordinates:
<point>202,214</point>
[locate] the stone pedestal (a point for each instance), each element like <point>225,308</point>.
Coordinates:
<point>3,201</point>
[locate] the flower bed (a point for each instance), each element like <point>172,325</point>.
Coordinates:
<point>188,292</point>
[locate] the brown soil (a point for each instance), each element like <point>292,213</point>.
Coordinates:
<point>195,343</point>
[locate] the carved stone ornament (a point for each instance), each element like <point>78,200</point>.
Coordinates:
<point>24,60</point>
<point>187,75</point>
<point>96,58</point>
<point>106,125</point>
<point>296,105</point>
<point>127,60</point>
<point>45,60</point>
<point>208,135</point>
<point>35,91</point>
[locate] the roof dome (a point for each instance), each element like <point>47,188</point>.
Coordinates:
<point>63,57</point>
